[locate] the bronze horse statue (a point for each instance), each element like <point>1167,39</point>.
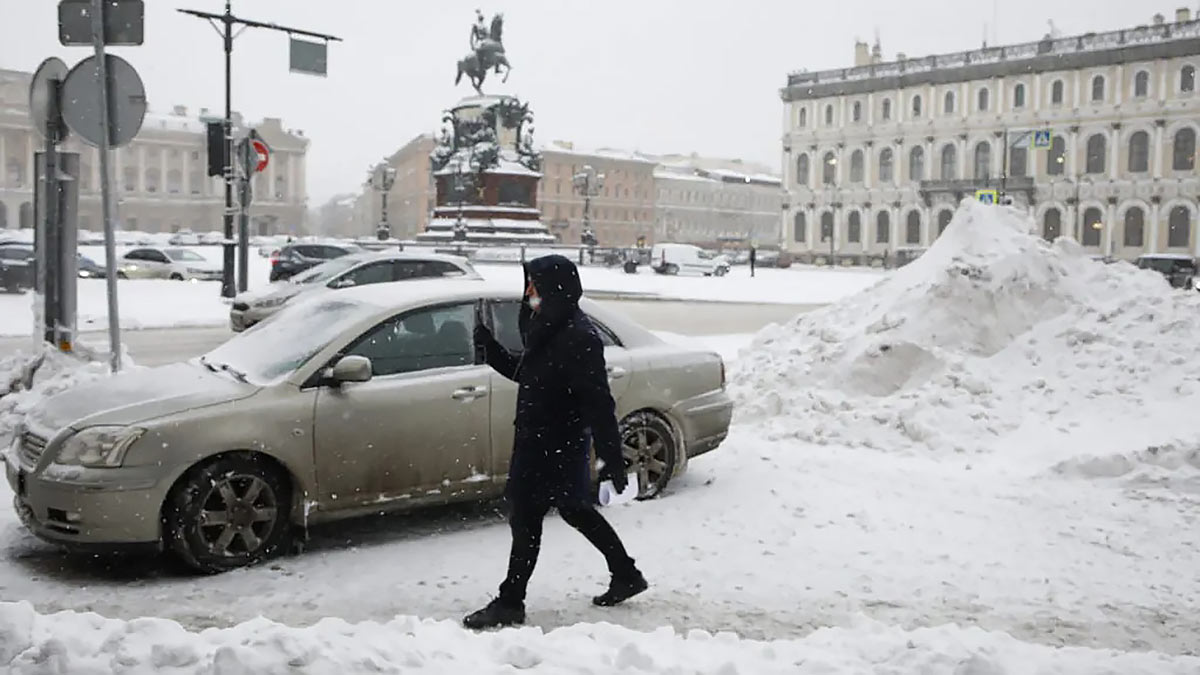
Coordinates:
<point>487,53</point>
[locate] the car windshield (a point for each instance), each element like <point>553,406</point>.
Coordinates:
<point>327,270</point>
<point>183,255</point>
<point>274,349</point>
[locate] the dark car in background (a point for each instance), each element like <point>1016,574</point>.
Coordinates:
<point>16,267</point>
<point>1179,270</point>
<point>295,258</point>
<point>89,269</point>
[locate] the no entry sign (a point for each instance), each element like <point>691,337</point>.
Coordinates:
<point>262,152</point>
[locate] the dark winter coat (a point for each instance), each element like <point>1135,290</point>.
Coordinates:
<point>563,400</point>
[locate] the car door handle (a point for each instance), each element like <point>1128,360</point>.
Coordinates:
<point>469,393</point>
<point>617,372</point>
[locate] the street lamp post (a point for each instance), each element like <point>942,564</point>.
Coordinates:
<point>588,183</point>
<point>382,179</point>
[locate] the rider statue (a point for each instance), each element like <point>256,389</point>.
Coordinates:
<point>487,52</point>
<point>479,32</point>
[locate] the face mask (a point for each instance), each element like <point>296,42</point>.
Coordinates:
<point>534,303</point>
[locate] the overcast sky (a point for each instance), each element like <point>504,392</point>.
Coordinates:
<point>651,75</point>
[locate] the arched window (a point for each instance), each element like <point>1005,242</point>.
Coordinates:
<point>1019,96</point>
<point>912,230</point>
<point>1184,155</point>
<point>196,180</point>
<point>826,226</point>
<point>1056,159</point>
<point>829,169</point>
<point>800,227</point>
<point>1018,161</point>
<point>1179,228</point>
<point>174,181</point>
<point>856,111</point>
<point>883,227</point>
<point>804,117</point>
<point>1141,84</point>
<point>1093,223</point>
<point>854,228</point>
<point>983,160</point>
<point>1187,79</point>
<point>944,218</point>
<point>949,162</point>
<point>1097,88</point>
<point>1097,153</point>
<point>885,166</point>
<point>887,109</point>
<point>829,115</point>
<point>916,164</point>
<point>1052,224</point>
<point>129,179</point>
<point>916,106</point>
<point>1139,152</point>
<point>1135,228</point>
<point>802,169</point>
<point>948,104</point>
<point>983,100</point>
<point>15,173</point>
<point>856,166</point>
<point>152,179</point>
<point>1056,92</point>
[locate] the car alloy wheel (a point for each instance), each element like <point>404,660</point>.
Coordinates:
<point>648,444</point>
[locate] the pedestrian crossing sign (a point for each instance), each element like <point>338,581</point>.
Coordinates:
<point>1042,138</point>
<point>987,196</point>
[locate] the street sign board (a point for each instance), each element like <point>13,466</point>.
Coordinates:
<point>308,57</point>
<point>1043,138</point>
<point>126,101</point>
<point>45,99</point>
<point>987,196</point>
<point>263,154</point>
<point>124,23</point>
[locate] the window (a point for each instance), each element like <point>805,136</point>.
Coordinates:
<point>1052,224</point>
<point>800,229</point>
<point>1056,92</point>
<point>151,180</point>
<point>886,110</point>
<point>280,188</point>
<point>949,163</point>
<point>1056,160</point>
<point>802,169</point>
<point>912,234</point>
<point>826,226</point>
<point>856,166</point>
<point>885,165</point>
<point>944,218</point>
<point>883,228</point>
<point>437,337</point>
<point>1018,161</point>
<point>1179,228</point>
<point>195,181</point>
<point>1139,152</point>
<point>916,107</point>
<point>174,181</point>
<point>1097,88</point>
<point>129,179</point>
<point>1093,223</point>
<point>983,160</point>
<point>16,174</point>
<point>374,273</point>
<point>1097,152</point>
<point>983,100</point>
<point>829,115</point>
<point>948,104</point>
<point>1184,155</point>
<point>854,228</point>
<point>856,111</point>
<point>803,117</point>
<point>1187,79</point>
<point>829,169</point>
<point>916,164</point>
<point>1019,96</point>
<point>1135,227</point>
<point>1141,84</point>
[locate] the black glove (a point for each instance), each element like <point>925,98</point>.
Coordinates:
<point>482,336</point>
<point>616,474</point>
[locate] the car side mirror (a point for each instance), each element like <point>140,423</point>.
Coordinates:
<point>350,369</point>
<point>343,282</point>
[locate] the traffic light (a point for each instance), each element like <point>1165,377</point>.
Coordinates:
<point>217,159</point>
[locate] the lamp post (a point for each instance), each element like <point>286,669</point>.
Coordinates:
<point>383,177</point>
<point>588,183</point>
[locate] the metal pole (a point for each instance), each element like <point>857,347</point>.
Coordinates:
<point>227,284</point>
<point>106,202</point>
<point>244,215</point>
<point>1004,171</point>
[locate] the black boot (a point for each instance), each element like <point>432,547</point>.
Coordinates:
<point>622,589</point>
<point>496,615</point>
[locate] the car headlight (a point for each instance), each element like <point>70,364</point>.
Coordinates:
<point>267,303</point>
<point>98,447</point>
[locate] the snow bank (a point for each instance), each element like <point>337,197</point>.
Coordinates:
<point>68,642</point>
<point>993,340</point>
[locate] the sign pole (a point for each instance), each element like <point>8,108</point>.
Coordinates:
<point>1004,171</point>
<point>248,160</point>
<point>106,204</point>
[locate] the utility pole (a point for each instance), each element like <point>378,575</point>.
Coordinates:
<point>228,20</point>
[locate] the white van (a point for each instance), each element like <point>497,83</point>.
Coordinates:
<point>687,259</point>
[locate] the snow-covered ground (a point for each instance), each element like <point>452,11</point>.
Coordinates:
<point>146,303</point>
<point>986,464</point>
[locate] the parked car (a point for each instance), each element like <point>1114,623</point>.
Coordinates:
<point>1179,270</point>
<point>184,238</point>
<point>372,399</point>
<point>89,269</point>
<point>212,238</point>
<point>17,267</point>
<point>348,271</point>
<point>687,259</point>
<point>295,258</point>
<point>178,264</point>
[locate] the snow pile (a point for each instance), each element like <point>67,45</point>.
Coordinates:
<point>88,643</point>
<point>993,340</point>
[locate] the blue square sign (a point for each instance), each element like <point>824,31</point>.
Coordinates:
<point>987,196</point>
<point>1042,138</point>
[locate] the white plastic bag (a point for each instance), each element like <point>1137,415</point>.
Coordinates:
<point>609,495</point>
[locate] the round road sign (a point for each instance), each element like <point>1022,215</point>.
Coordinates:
<point>264,155</point>
<point>43,107</point>
<point>126,101</point>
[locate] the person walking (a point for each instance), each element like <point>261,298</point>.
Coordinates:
<point>563,404</point>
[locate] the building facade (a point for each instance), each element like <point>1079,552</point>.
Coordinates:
<point>411,199</point>
<point>159,180</point>
<point>876,157</point>
<point>621,213</point>
<point>699,202</point>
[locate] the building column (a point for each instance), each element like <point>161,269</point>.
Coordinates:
<point>899,163</point>
<point>1073,155</point>
<point>1118,80</point>
<point>1156,157</point>
<point>141,169</point>
<point>870,109</point>
<point>963,165</point>
<point>3,161</point>
<point>894,226</point>
<point>1153,225</point>
<point>162,171</point>
<point>1107,243</point>
<point>1114,153</point>
<point>1078,78</point>
<point>839,168</point>
<point>868,165</point>
<point>271,182</point>
<point>998,156</point>
<point>928,168</point>
<point>1035,96</point>
<point>187,173</point>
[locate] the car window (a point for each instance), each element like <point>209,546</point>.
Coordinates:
<point>326,271</point>
<point>157,256</point>
<point>305,251</point>
<point>507,330</point>
<point>184,255</point>
<point>425,269</point>
<point>138,254</point>
<point>373,273</point>
<point>16,253</point>
<point>330,252</point>
<point>437,337</point>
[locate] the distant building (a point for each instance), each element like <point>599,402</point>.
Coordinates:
<point>878,155</point>
<point>335,218</point>
<point>159,179</point>
<point>705,202</point>
<point>411,199</point>
<point>620,214</point>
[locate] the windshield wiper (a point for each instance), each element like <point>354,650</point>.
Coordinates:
<point>237,374</point>
<point>204,362</point>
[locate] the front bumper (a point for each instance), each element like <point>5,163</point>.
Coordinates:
<point>243,316</point>
<point>705,420</point>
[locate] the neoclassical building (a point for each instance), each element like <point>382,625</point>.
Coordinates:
<point>876,157</point>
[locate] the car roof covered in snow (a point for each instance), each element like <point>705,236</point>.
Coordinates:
<point>1166,256</point>
<point>408,255</point>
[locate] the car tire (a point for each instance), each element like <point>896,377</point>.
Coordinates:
<point>176,276</point>
<point>122,275</point>
<point>227,513</point>
<point>672,270</point>
<point>721,271</point>
<point>651,451</point>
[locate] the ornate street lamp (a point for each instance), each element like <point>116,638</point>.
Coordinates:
<point>383,177</point>
<point>588,183</point>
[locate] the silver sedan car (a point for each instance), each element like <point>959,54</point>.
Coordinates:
<point>366,400</point>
